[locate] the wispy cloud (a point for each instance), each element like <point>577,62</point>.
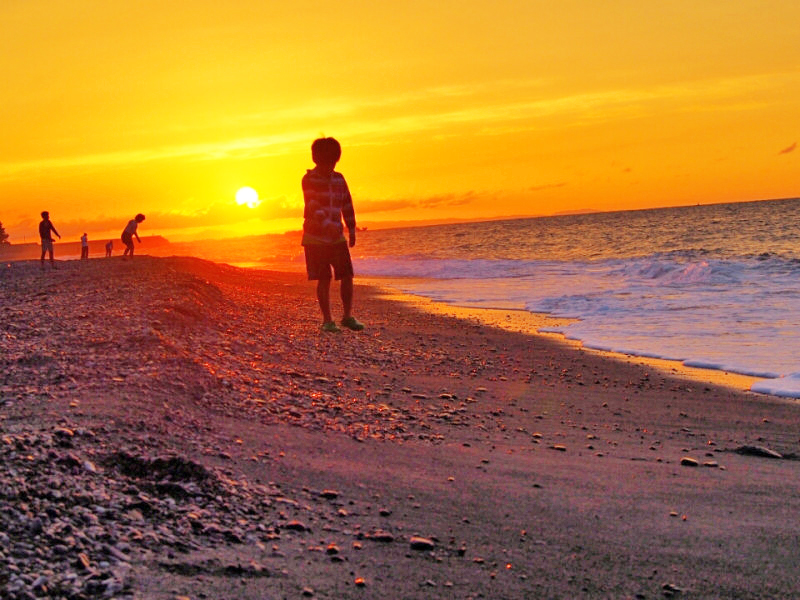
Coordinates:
<point>238,148</point>
<point>447,200</point>
<point>380,206</point>
<point>546,186</point>
<point>427,111</point>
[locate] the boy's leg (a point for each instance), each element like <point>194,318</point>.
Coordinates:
<point>324,298</point>
<point>348,320</point>
<point>347,297</point>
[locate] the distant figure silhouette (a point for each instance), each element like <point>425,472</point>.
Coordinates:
<point>45,227</point>
<point>109,247</point>
<point>84,246</point>
<point>327,200</point>
<point>129,232</point>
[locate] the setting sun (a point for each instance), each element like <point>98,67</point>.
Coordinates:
<point>247,196</point>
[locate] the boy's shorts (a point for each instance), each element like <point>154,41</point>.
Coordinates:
<point>321,257</point>
<point>127,239</point>
<point>47,245</point>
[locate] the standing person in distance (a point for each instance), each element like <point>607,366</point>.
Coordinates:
<point>327,201</point>
<point>84,246</point>
<point>129,232</point>
<point>45,227</point>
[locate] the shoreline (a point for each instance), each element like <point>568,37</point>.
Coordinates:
<point>521,320</point>
<point>171,427</point>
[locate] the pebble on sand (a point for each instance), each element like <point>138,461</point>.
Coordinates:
<point>296,526</point>
<point>420,543</point>
<point>761,451</point>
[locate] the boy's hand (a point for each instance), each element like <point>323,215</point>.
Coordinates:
<point>352,238</point>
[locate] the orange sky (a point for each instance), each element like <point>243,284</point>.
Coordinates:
<point>468,109</point>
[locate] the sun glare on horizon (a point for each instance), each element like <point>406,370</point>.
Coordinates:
<point>247,196</point>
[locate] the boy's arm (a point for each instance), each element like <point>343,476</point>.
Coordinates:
<point>54,230</point>
<point>138,239</point>
<point>349,215</point>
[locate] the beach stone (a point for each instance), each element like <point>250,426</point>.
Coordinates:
<point>688,461</point>
<point>332,549</point>
<point>83,562</point>
<point>669,590</point>
<point>421,543</point>
<point>380,535</point>
<point>761,451</point>
<point>63,433</point>
<point>296,525</point>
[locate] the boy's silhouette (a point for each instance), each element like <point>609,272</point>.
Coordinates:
<point>327,201</point>
<point>129,232</point>
<point>45,227</point>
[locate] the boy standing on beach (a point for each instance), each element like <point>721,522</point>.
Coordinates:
<point>327,200</point>
<point>45,227</point>
<point>84,246</point>
<point>129,232</point>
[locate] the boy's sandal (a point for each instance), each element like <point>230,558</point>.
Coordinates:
<point>352,323</point>
<point>330,327</point>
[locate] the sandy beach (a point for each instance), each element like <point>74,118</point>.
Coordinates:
<point>173,428</point>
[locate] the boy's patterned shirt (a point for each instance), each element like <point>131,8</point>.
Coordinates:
<point>327,202</point>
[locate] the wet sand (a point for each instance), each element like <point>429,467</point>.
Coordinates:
<point>531,323</point>
<point>173,428</point>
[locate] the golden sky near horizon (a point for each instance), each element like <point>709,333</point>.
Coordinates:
<point>445,110</point>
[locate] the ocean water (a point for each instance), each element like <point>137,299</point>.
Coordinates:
<point>713,286</point>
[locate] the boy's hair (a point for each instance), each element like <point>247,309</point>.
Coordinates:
<point>139,218</point>
<point>326,150</point>
<point>45,214</point>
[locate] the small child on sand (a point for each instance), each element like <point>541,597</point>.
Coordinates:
<point>129,232</point>
<point>84,246</point>
<point>327,200</point>
<point>45,227</point>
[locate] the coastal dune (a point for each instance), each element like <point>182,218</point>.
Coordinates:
<point>176,428</point>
